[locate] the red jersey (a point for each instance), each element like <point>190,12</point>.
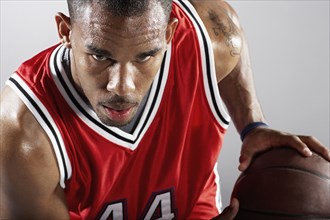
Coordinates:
<point>166,168</point>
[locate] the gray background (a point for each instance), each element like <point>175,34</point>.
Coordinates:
<point>289,48</point>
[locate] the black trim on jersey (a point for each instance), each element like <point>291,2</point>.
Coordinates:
<point>99,124</point>
<point>45,119</point>
<point>207,56</point>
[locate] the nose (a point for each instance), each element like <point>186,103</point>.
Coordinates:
<point>121,79</point>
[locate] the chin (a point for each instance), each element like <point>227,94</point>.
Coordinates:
<point>112,123</point>
<point>105,120</point>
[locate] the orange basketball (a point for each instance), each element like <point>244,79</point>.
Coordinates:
<point>281,184</point>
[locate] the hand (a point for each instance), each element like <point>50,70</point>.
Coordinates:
<point>263,138</point>
<point>229,212</point>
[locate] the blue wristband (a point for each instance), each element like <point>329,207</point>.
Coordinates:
<point>250,127</point>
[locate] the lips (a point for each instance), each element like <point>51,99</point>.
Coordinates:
<point>119,113</point>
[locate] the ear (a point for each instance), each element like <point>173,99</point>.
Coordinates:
<point>63,28</point>
<point>171,27</point>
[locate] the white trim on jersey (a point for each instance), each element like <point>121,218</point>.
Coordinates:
<point>89,117</point>
<point>218,201</point>
<point>46,121</point>
<point>209,73</point>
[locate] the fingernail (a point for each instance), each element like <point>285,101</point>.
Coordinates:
<point>308,152</point>
<point>241,167</point>
<point>242,159</point>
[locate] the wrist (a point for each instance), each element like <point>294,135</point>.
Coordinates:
<point>248,128</point>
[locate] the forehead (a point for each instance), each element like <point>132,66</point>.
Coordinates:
<point>97,24</point>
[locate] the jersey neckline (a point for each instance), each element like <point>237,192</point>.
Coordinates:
<point>88,116</point>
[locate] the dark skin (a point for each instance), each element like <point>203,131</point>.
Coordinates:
<point>114,79</point>
<point>222,24</point>
<point>113,74</point>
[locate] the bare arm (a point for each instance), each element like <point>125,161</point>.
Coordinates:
<point>234,73</point>
<point>236,86</point>
<point>225,35</point>
<point>29,174</point>
<point>238,92</point>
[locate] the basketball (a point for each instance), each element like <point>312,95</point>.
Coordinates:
<point>281,184</point>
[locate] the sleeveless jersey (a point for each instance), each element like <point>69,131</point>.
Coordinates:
<point>166,168</point>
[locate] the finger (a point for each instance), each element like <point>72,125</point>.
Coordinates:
<point>294,142</point>
<point>299,145</point>
<point>316,146</point>
<point>257,141</point>
<point>231,211</point>
<point>245,161</point>
<point>248,151</point>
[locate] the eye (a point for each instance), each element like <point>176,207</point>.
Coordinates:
<point>143,59</point>
<point>99,57</point>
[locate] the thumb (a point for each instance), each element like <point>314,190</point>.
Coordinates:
<point>229,212</point>
<point>244,162</point>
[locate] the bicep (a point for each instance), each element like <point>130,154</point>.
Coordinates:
<point>29,174</point>
<point>224,30</point>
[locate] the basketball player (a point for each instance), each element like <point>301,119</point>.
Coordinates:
<point>123,119</point>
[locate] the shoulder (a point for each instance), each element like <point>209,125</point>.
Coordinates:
<point>222,24</point>
<point>19,125</point>
<point>29,168</point>
<point>209,8</point>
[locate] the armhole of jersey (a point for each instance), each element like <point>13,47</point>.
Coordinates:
<point>45,120</point>
<point>218,200</point>
<point>207,57</point>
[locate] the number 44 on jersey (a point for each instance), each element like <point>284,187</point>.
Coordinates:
<point>160,206</point>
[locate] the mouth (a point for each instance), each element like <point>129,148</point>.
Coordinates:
<point>119,114</point>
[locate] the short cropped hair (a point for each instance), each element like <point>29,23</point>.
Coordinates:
<point>121,8</point>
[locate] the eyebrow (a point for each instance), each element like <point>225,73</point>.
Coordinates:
<point>106,53</point>
<point>149,53</point>
<point>98,51</point>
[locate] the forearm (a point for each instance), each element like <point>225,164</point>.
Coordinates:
<point>238,93</point>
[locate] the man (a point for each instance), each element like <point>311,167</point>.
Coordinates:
<point>124,119</point>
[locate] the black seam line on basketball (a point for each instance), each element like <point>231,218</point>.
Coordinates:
<point>284,214</point>
<point>298,169</point>
<point>44,117</point>
<point>243,175</point>
<point>81,109</point>
<point>208,66</point>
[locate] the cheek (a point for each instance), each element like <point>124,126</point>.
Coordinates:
<point>147,75</point>
<point>92,85</point>
<point>90,75</point>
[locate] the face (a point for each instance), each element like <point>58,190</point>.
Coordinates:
<point>114,60</point>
